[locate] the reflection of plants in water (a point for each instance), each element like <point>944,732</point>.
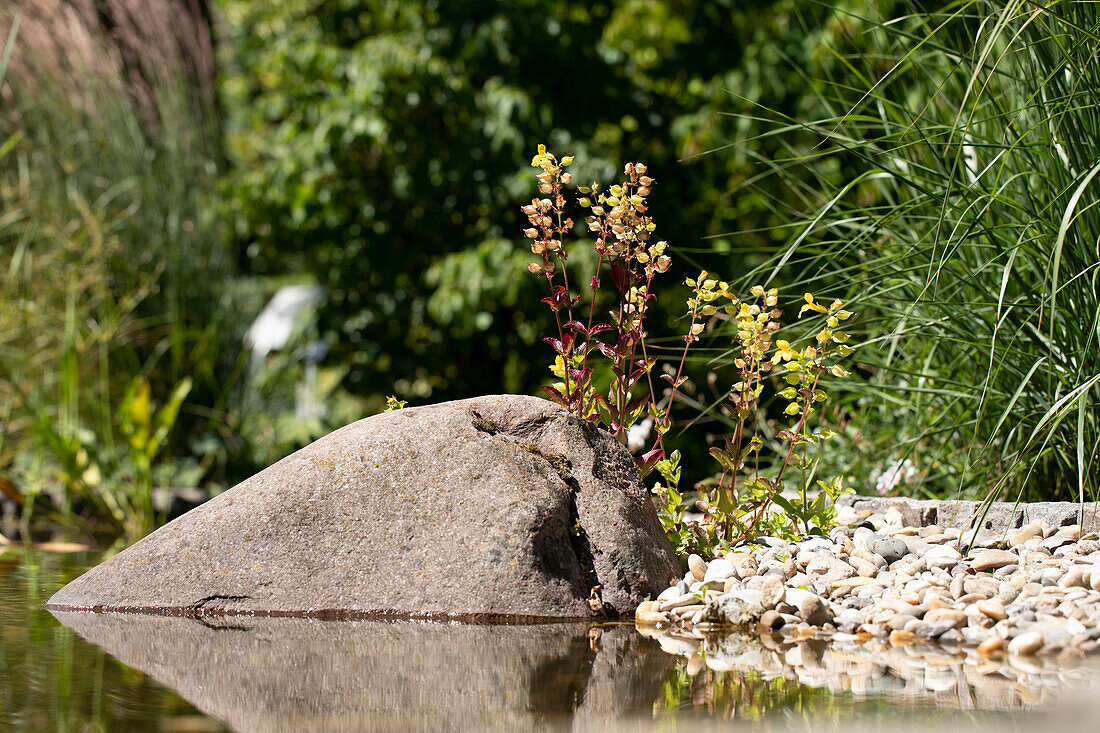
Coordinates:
<point>745,696</point>
<point>50,679</point>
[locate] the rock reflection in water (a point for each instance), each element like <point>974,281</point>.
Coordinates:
<point>275,674</point>
<point>916,674</point>
<point>278,674</point>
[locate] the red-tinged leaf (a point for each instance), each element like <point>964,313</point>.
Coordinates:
<point>607,350</point>
<point>580,376</point>
<point>558,347</point>
<point>646,462</point>
<point>598,328</point>
<point>620,276</point>
<point>555,396</point>
<point>724,458</point>
<point>575,326</point>
<point>668,378</point>
<point>647,364</point>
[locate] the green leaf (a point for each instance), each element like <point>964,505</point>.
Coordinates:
<point>786,505</point>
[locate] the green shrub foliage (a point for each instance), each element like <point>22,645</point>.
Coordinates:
<point>383,145</point>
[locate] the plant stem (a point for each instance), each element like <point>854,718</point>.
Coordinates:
<point>777,481</point>
<point>675,382</point>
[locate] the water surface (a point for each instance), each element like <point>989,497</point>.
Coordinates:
<point>139,672</point>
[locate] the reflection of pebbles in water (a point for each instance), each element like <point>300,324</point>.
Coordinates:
<point>918,673</point>
<point>280,674</point>
<point>262,674</point>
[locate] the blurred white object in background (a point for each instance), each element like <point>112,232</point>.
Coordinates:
<point>272,328</point>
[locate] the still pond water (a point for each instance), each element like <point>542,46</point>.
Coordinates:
<point>86,672</point>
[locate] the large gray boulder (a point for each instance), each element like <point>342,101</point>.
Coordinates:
<point>502,507</point>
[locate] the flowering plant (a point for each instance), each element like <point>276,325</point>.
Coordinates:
<point>734,508</point>
<point>622,232</point>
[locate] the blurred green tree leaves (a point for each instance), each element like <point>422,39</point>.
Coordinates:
<point>383,146</point>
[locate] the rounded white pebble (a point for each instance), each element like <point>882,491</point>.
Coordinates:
<point>697,566</point>
<point>1028,642</point>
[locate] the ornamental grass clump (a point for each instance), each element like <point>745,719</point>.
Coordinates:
<point>949,182</point>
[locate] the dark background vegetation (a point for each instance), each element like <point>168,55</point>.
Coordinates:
<point>168,164</point>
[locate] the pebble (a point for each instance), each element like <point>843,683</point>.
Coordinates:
<point>890,549</point>
<point>885,583</point>
<point>685,600</point>
<point>698,567</point>
<point>812,610</point>
<point>668,594</point>
<point>942,556</point>
<point>951,615</point>
<point>648,614</point>
<point>719,569</point>
<point>744,564</point>
<point>771,620</point>
<point>987,560</point>
<point>991,645</point>
<point>994,609</point>
<point>772,591</point>
<point>1026,533</point>
<point>826,569</point>
<point>1026,643</point>
<point>929,631</point>
<point>1074,577</point>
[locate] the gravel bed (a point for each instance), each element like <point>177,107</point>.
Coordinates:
<point>1035,591</point>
